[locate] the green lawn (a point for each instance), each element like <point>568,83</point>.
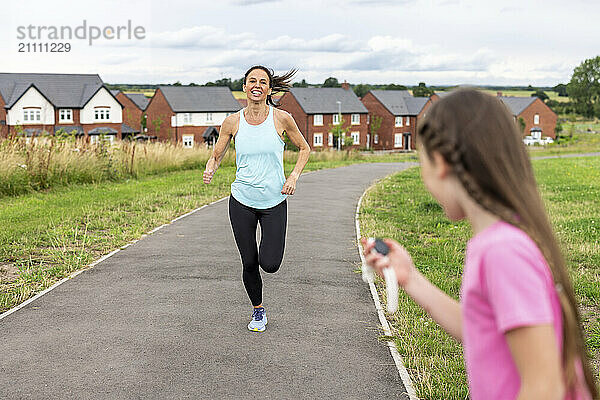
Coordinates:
<point>581,142</point>
<point>399,207</point>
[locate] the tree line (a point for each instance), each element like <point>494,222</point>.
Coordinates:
<point>583,90</point>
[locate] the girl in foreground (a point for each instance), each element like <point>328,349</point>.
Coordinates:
<point>517,317</point>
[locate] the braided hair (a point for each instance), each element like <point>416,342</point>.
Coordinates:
<point>276,83</point>
<point>479,139</point>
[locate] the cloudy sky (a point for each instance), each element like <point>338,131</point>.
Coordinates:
<point>506,42</point>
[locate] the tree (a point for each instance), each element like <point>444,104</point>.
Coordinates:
<point>558,128</point>
<point>157,122</point>
<point>177,83</point>
<point>572,121</point>
<point>521,124</point>
<point>561,89</point>
<point>339,131</point>
<point>302,83</point>
<point>584,87</point>
<point>374,126</point>
<point>361,89</point>
<point>237,85</point>
<point>540,94</point>
<point>331,82</point>
<point>393,86</point>
<point>422,90</point>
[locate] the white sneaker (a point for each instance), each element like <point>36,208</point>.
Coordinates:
<point>258,323</point>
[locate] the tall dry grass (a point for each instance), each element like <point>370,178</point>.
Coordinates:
<point>28,165</point>
<point>32,164</point>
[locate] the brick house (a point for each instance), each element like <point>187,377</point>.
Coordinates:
<point>316,109</point>
<point>37,104</point>
<point>134,105</point>
<point>189,114</point>
<point>399,112</point>
<point>539,119</point>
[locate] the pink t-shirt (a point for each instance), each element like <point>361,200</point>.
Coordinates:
<point>506,284</point>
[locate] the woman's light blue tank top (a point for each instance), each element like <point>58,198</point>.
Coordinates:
<point>259,175</point>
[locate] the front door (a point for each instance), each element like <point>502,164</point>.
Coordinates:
<point>406,141</point>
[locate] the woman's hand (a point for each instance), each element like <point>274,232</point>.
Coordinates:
<point>209,171</point>
<point>289,187</point>
<point>398,259</point>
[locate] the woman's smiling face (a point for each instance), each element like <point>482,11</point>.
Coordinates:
<point>257,85</point>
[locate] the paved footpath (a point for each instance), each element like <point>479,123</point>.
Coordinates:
<point>166,317</point>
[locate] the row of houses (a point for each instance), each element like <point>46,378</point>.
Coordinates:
<point>33,104</point>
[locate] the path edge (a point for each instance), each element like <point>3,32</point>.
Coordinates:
<point>104,257</point>
<point>404,376</point>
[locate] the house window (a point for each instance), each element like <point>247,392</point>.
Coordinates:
<point>398,121</point>
<point>536,119</point>
<point>398,140</point>
<point>355,137</point>
<point>318,120</point>
<point>376,139</point>
<point>32,115</point>
<point>355,119</point>
<point>407,121</point>
<point>209,117</point>
<point>188,141</point>
<point>187,118</point>
<point>102,114</point>
<point>330,139</point>
<point>65,115</point>
<point>336,119</point>
<point>317,139</point>
<point>108,139</point>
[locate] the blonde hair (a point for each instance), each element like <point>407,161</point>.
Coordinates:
<point>478,137</point>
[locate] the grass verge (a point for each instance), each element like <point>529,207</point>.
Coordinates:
<point>400,207</point>
<point>581,142</point>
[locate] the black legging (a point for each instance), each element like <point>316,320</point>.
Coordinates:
<point>268,256</point>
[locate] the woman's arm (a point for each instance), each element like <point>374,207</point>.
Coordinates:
<point>288,125</point>
<point>537,358</point>
<point>442,308</point>
<point>228,128</point>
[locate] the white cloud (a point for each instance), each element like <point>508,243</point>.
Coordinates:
<point>252,2</point>
<point>204,36</point>
<point>335,43</point>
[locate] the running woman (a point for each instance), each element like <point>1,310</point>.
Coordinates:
<point>260,189</point>
<point>517,317</point>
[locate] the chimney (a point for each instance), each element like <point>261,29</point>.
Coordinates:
<point>499,94</point>
<point>345,85</point>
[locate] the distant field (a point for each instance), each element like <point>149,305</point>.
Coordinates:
<point>147,92</point>
<point>527,93</point>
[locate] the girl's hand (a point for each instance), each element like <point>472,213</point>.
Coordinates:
<point>398,259</point>
<point>289,187</point>
<point>211,167</point>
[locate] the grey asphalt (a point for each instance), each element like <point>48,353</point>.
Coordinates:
<point>566,156</point>
<point>166,317</point>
